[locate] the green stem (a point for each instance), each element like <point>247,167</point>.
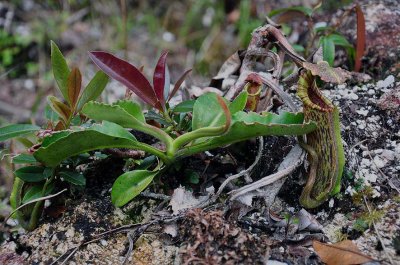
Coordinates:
<point>199,133</point>
<point>157,133</point>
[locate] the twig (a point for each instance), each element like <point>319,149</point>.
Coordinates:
<point>282,94</point>
<point>156,196</point>
<point>243,172</point>
<point>32,201</point>
<point>377,233</point>
<point>129,252</point>
<point>287,165</point>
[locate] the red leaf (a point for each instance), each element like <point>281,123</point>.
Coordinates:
<point>159,77</point>
<point>127,74</point>
<point>179,83</point>
<point>360,38</point>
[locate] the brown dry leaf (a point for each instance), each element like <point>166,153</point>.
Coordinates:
<point>74,86</point>
<point>229,67</point>
<point>328,74</point>
<point>344,253</point>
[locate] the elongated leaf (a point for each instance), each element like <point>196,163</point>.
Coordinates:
<point>305,10</point>
<point>328,50</point>
<point>93,90</point>
<point>35,192</point>
<point>208,112</point>
<point>132,108</point>
<point>14,130</point>
<point>31,173</point>
<point>60,69</point>
<point>249,125</point>
<point>159,77</point>
<point>127,74</point>
<point>74,85</point>
<point>360,49</point>
<point>129,185</point>
<point>73,178</point>
<point>24,159</point>
<point>178,84</point>
<point>97,137</point>
<point>60,108</point>
<point>113,113</point>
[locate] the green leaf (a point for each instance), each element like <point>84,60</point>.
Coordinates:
<point>328,50</point>
<point>31,173</point>
<point>14,130</point>
<point>129,185</point>
<point>113,113</point>
<point>35,192</point>
<point>340,40</point>
<point>73,178</point>
<point>185,106</point>
<point>249,125</point>
<point>24,159</point>
<point>54,137</point>
<point>94,89</point>
<point>97,137</point>
<point>60,69</point>
<point>132,108</point>
<point>207,112</point>
<point>302,9</point>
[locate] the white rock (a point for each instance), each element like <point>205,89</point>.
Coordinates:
<point>70,232</point>
<point>388,155</point>
<point>103,242</point>
<point>362,112</point>
<point>385,83</point>
<point>275,262</point>
<point>370,177</point>
<point>379,162</point>
<point>371,92</point>
<point>331,203</point>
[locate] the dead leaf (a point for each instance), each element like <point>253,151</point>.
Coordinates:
<point>327,73</point>
<point>344,253</point>
<point>229,67</point>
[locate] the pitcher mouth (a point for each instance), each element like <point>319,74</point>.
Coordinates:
<point>311,95</point>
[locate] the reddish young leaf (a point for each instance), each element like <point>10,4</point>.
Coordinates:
<point>226,112</point>
<point>74,84</point>
<point>127,74</point>
<point>159,77</point>
<point>360,38</point>
<point>179,83</point>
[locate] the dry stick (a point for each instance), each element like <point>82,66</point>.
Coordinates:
<point>32,201</point>
<point>271,178</point>
<point>128,254</point>
<point>282,94</point>
<point>377,233</point>
<point>243,172</point>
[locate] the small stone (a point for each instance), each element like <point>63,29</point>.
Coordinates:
<point>371,92</point>
<point>331,203</point>
<point>362,112</point>
<point>388,155</point>
<point>103,242</point>
<point>379,162</point>
<point>385,83</point>
<point>70,232</point>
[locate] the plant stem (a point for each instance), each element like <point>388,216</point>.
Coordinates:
<point>190,136</point>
